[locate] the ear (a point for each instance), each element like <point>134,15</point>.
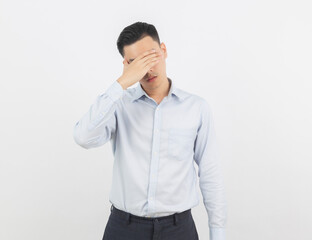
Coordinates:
<point>163,49</point>
<point>125,62</point>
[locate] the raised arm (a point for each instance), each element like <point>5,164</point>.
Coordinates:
<point>97,126</point>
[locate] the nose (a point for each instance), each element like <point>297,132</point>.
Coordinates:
<point>150,71</point>
<point>152,68</point>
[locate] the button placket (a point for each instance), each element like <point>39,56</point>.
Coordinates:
<point>154,161</point>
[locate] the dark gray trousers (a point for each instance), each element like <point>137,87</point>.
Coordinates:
<point>126,226</point>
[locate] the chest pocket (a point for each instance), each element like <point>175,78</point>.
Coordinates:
<point>181,143</point>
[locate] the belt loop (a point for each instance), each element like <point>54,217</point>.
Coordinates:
<point>175,219</point>
<point>128,218</point>
<point>112,208</point>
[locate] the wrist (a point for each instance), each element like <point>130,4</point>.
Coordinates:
<point>122,83</point>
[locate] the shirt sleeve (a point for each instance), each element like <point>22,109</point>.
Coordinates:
<point>210,175</point>
<point>96,126</point>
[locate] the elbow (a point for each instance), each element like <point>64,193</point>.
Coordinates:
<point>77,136</point>
<point>81,143</point>
<point>88,139</point>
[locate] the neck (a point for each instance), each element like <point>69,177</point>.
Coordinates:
<point>159,91</point>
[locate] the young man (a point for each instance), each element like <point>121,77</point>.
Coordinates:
<point>157,132</point>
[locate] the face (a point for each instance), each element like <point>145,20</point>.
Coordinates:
<point>159,69</point>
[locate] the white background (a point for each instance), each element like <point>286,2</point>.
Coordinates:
<point>250,59</point>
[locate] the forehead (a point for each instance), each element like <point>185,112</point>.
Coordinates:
<point>140,46</point>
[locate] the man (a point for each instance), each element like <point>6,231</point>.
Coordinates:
<point>157,132</point>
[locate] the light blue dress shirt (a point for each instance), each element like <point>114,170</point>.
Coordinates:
<point>155,147</point>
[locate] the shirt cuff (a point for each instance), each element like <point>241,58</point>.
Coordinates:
<point>115,91</point>
<point>216,233</point>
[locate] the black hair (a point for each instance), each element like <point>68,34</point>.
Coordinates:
<point>135,32</point>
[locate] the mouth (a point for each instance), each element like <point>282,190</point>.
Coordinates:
<point>152,79</point>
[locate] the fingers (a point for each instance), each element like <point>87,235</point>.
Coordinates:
<point>147,56</point>
<point>146,53</point>
<point>152,58</point>
<point>152,63</point>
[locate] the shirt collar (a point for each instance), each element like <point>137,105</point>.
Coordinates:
<point>173,91</point>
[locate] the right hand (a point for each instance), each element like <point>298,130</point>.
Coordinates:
<point>136,70</point>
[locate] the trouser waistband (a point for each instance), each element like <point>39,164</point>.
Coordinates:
<point>175,218</point>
